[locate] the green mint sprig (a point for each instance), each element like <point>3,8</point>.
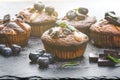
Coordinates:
<point>76,9</point>
<point>70,64</point>
<point>113,59</point>
<point>63,25</point>
<point>71,28</point>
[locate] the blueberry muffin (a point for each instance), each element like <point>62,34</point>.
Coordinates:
<point>14,31</point>
<point>80,19</point>
<point>64,41</point>
<point>40,17</point>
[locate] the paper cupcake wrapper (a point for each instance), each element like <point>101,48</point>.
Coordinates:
<point>105,40</point>
<point>66,52</point>
<point>21,39</point>
<point>38,30</point>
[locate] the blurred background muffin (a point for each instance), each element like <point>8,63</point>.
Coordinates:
<point>40,17</point>
<point>79,19</point>
<point>14,31</point>
<point>106,32</point>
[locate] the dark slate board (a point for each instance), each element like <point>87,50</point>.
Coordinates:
<point>20,65</point>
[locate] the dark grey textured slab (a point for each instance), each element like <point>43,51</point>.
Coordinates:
<point>20,65</point>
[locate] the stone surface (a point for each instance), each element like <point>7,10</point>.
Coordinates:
<point>20,65</point>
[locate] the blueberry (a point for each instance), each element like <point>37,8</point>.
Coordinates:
<point>1,47</point>
<point>41,51</point>
<point>71,14</point>
<point>50,56</point>
<point>43,62</point>
<point>49,9</point>
<point>7,51</point>
<point>83,10</point>
<point>39,6</point>
<point>80,16</point>
<point>33,56</point>
<point>16,49</point>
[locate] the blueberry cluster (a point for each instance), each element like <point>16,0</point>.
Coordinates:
<point>42,58</point>
<point>79,13</point>
<point>40,6</point>
<point>112,18</point>
<point>8,51</point>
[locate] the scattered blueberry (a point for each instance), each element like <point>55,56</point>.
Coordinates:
<point>49,9</point>
<point>83,10</point>
<point>39,6</point>
<point>33,56</point>
<point>42,58</point>
<point>43,62</point>
<point>71,14</point>
<point>7,51</point>
<point>16,49</point>
<point>1,47</point>
<point>41,51</point>
<point>50,56</point>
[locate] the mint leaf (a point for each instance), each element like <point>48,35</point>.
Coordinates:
<point>71,28</point>
<point>76,9</point>
<point>70,64</point>
<point>63,24</point>
<point>113,59</point>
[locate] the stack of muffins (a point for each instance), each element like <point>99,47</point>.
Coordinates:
<point>65,38</point>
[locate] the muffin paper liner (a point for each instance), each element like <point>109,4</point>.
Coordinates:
<point>105,40</point>
<point>66,52</point>
<point>20,39</point>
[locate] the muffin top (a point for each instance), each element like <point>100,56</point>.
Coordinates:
<point>65,35</point>
<point>13,27</point>
<point>107,25</point>
<point>38,14</point>
<point>79,18</point>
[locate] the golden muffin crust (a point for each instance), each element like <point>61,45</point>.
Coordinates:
<point>87,22</point>
<point>33,16</point>
<point>14,27</point>
<point>60,36</point>
<point>104,26</point>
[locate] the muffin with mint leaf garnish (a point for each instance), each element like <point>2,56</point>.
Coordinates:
<point>64,41</point>
<point>40,17</point>
<point>80,19</point>
<point>106,32</point>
